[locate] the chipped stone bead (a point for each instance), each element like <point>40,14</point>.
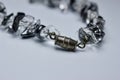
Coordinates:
<point>31,30</point>
<point>91,34</point>
<point>98,35</point>
<point>26,22</point>
<point>78,5</point>
<point>42,31</point>
<point>3,8</point>
<point>89,12</point>
<point>85,35</point>
<point>91,15</point>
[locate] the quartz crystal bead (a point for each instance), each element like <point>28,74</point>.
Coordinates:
<point>91,34</point>
<point>100,22</point>
<point>78,5</point>
<point>85,35</point>
<point>42,31</point>
<point>30,31</point>
<point>25,23</point>
<point>98,35</point>
<point>89,12</point>
<point>91,15</point>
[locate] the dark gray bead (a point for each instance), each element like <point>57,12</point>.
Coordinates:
<point>2,8</point>
<point>93,7</point>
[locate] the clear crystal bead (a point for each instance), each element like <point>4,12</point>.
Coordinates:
<point>85,35</point>
<point>79,4</point>
<point>91,15</point>
<point>92,36</point>
<point>26,22</point>
<point>98,35</point>
<point>48,29</point>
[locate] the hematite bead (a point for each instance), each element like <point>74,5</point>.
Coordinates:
<point>6,19</point>
<point>2,8</point>
<point>16,22</point>
<point>38,31</point>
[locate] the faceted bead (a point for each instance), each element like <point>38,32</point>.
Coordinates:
<point>91,34</point>
<point>99,21</point>
<point>91,15</point>
<point>26,22</point>
<point>31,30</point>
<point>89,12</point>
<point>85,35</point>
<point>98,35</point>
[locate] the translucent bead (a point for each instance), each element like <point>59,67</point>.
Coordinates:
<point>85,35</point>
<point>91,36</point>
<point>79,4</point>
<point>91,15</point>
<point>26,22</point>
<point>31,30</point>
<point>98,35</point>
<point>42,32</point>
<point>51,29</point>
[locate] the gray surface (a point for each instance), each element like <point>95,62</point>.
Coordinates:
<point>32,60</point>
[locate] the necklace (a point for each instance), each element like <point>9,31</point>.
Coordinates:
<point>26,26</point>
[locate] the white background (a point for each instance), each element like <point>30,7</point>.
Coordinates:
<point>34,60</point>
